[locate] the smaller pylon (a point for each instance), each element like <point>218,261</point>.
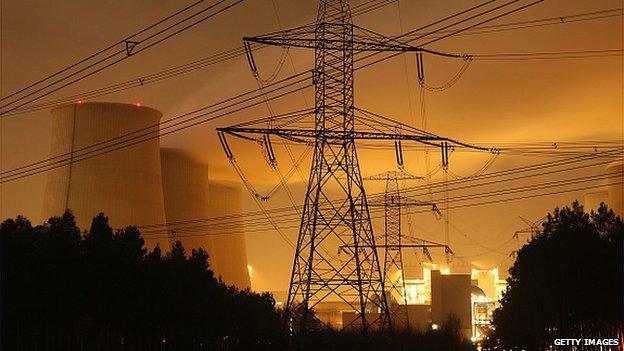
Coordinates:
<point>393,270</point>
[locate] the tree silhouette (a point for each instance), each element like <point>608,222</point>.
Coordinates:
<point>101,290</point>
<point>566,282</point>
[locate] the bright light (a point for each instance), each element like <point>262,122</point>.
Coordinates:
<point>434,327</point>
<point>137,104</point>
<point>80,102</point>
<point>474,339</point>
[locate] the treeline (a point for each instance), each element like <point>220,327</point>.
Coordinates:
<point>63,289</point>
<point>567,282</point>
<point>100,290</point>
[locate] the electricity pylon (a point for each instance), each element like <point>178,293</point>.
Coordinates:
<point>332,127</point>
<point>392,202</point>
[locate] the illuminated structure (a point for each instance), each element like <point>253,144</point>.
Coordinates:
<point>188,196</point>
<point>482,313</point>
<point>230,250</point>
<point>125,184</point>
<point>430,301</point>
<point>134,186</point>
<point>487,291</point>
<point>450,295</point>
<point>490,283</point>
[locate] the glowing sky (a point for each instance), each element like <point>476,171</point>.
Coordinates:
<point>494,101</point>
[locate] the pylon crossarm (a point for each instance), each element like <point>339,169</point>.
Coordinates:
<point>389,125</point>
<point>413,239</point>
<point>337,44</point>
<point>298,127</point>
<point>243,136</point>
<point>394,175</point>
<point>397,246</point>
<point>333,136</point>
<point>398,200</point>
<point>274,37</point>
<point>362,40</point>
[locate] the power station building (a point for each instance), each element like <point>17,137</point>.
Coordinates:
<point>432,301</point>
<point>450,298</point>
<point>141,185</point>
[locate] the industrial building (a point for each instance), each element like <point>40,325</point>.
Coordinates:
<point>142,185</point>
<point>185,190</point>
<point>189,195</point>
<point>125,184</point>
<point>450,297</point>
<point>229,248</point>
<point>431,299</point>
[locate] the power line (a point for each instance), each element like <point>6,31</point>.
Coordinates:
<point>129,38</point>
<point>167,73</point>
<point>549,55</point>
<point>467,11</point>
<point>41,166</point>
<point>152,131</point>
<point>542,22</point>
<point>573,165</point>
<point>280,212</point>
<point>105,62</point>
<point>134,83</point>
<point>294,224</point>
<point>239,51</point>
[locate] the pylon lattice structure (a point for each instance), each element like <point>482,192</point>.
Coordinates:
<point>332,127</point>
<point>393,270</point>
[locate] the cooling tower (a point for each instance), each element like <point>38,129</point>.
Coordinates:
<point>190,196</point>
<point>124,184</point>
<point>616,194</point>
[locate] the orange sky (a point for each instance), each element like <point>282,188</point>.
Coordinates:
<point>494,102</point>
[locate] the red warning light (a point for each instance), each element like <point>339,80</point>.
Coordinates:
<point>80,102</point>
<point>137,104</point>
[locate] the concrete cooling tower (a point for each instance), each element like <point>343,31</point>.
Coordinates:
<point>616,193</point>
<point>124,184</point>
<point>189,195</point>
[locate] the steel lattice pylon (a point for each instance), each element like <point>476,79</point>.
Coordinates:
<point>393,202</point>
<point>358,280</point>
<point>344,221</point>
